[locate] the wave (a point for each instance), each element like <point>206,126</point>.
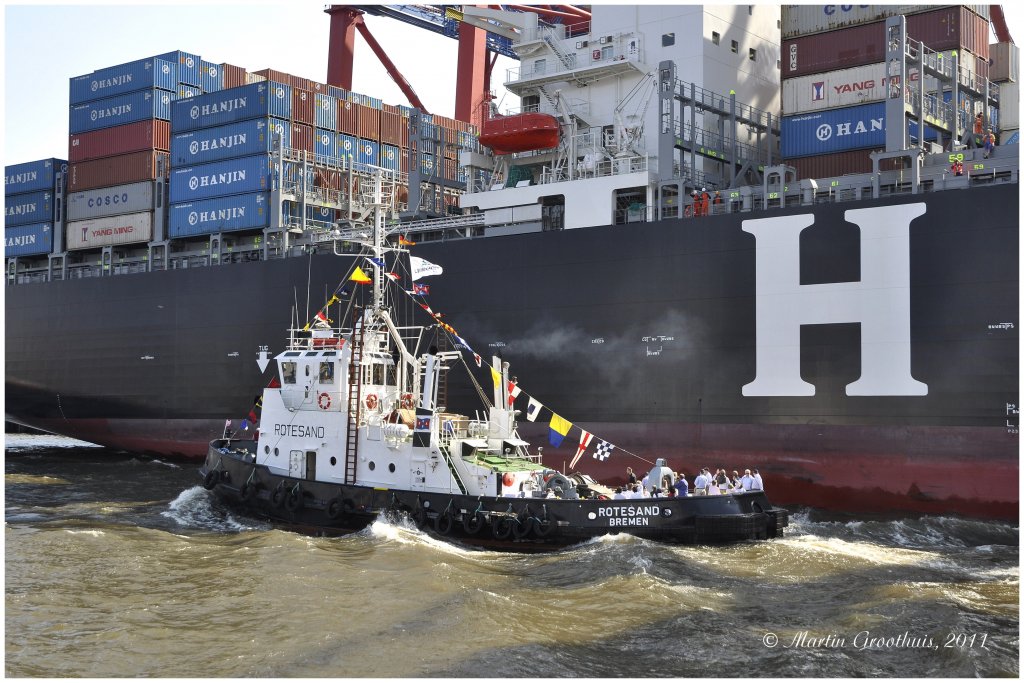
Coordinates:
<point>20,442</point>
<point>195,508</point>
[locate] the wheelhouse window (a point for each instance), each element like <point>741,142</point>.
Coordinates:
<point>288,373</point>
<point>326,373</point>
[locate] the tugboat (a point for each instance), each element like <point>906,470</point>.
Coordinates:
<point>351,429</point>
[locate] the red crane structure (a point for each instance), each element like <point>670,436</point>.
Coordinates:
<point>474,66</point>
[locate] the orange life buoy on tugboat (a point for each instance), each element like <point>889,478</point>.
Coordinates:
<point>324,401</point>
<point>507,479</point>
<point>371,401</point>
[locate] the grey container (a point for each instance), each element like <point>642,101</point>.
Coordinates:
<point>804,20</point>
<point>110,201</point>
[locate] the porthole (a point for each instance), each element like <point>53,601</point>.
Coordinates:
<point>276,453</point>
<point>266,450</point>
<point>391,467</point>
<point>334,461</point>
<point>372,466</point>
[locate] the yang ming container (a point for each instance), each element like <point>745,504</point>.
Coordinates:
<point>241,139</point>
<point>110,201</point>
<point>950,28</point>
<point>28,240</point>
<point>837,130</point>
<point>30,207</point>
<point>116,111</point>
<point>118,170</point>
<point>131,137</point>
<point>110,230</point>
<point>143,74</point>
<point>32,175</point>
<point>254,101</point>
<point>221,214</point>
<point>221,178</point>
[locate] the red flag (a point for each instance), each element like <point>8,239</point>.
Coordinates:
<point>513,391</point>
<point>585,438</point>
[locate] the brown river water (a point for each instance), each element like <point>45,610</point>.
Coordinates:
<point>120,565</point>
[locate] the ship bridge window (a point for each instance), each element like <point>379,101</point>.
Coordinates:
<point>716,37</point>
<point>292,354</point>
<point>326,373</point>
<point>312,353</point>
<point>753,55</point>
<point>735,47</point>
<point>330,354</point>
<point>668,39</point>
<point>288,373</point>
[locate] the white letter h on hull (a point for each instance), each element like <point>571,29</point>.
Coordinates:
<point>880,302</point>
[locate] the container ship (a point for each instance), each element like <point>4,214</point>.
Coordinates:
<point>783,238</point>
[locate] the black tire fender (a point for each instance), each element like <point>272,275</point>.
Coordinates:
<point>211,479</point>
<point>294,501</point>
<point>334,508</point>
<point>472,522</point>
<point>249,490</point>
<point>443,523</point>
<point>503,528</point>
<point>543,528</point>
<point>419,517</point>
<point>278,496</point>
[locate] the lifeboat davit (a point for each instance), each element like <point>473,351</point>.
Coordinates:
<point>520,132</point>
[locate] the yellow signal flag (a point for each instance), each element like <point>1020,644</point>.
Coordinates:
<point>496,376</point>
<point>359,276</point>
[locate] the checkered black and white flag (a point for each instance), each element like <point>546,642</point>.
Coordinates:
<point>603,450</point>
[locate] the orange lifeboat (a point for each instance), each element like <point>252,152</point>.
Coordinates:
<point>520,132</point>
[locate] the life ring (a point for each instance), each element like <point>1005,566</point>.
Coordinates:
<point>211,479</point>
<point>508,479</point>
<point>371,401</point>
<point>407,401</point>
<point>324,401</point>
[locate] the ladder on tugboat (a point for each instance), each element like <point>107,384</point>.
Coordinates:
<point>355,406</point>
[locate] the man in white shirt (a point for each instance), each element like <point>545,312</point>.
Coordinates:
<point>618,494</point>
<point>700,483</point>
<point>758,485</point>
<point>746,480</point>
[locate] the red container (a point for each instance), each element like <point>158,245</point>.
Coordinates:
<point>838,164</point>
<point>348,118</point>
<point>391,127</point>
<point>118,170</point>
<point>369,123</point>
<point>391,109</point>
<point>950,28</point>
<point>403,159</point>
<point>302,136</point>
<point>234,76</point>
<point>132,137</point>
<point>303,106</point>
<point>275,75</point>
<point>315,87</point>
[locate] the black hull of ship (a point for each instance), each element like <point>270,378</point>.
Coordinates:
<point>643,334</point>
<point>494,522</point>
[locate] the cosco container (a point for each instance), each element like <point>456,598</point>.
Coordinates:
<point>30,207</point>
<point>951,28</point>
<point>131,137</point>
<point>389,157</point>
<point>117,111</point>
<point>117,170</point>
<point>368,152</point>
<point>110,230</point>
<point>221,178</point>
<point>110,201</point>
<point>32,175</point>
<point>220,214</point>
<point>143,74</point>
<point>212,77</point>
<point>844,88</point>
<point>242,139</point>
<point>254,101</point>
<point>837,130</point>
<point>188,66</point>
<point>303,106</point>
<point>326,111</point>
<point>805,20</point>
<point>325,143</point>
<point>28,240</point>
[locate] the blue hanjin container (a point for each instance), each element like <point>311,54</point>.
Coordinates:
<point>368,152</point>
<point>143,74</point>
<point>325,143</point>
<point>28,240</point>
<point>32,176</point>
<point>186,91</point>
<point>348,146</point>
<point>242,139</point>
<point>326,112</point>
<point>337,93</point>
<point>256,100</point>
<point>212,76</point>
<point>117,111</point>
<point>220,214</point>
<point>389,157</point>
<point>189,66</point>
<point>838,130</point>
<point>29,207</point>
<point>221,178</point>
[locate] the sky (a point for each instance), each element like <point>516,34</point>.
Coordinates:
<point>46,45</point>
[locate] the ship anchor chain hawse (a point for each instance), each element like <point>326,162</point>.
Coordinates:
<point>351,429</point>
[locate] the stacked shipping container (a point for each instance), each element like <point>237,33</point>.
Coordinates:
<point>32,209</point>
<point>833,86</point>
